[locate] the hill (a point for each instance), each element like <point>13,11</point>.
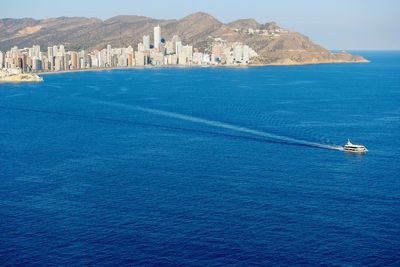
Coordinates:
<point>273,44</point>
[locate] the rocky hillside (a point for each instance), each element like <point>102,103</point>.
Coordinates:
<point>273,44</point>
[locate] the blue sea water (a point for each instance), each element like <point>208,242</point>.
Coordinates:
<point>203,167</point>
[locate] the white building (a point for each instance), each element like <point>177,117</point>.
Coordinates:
<point>50,53</point>
<point>146,42</point>
<point>61,51</point>
<point>169,48</point>
<point>55,50</point>
<point>140,58</point>
<point>175,40</point>
<point>238,53</point>
<point>178,47</point>
<point>109,56</point>
<point>185,56</point>
<point>157,37</point>
<point>35,51</point>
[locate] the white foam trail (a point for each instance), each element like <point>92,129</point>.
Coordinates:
<point>220,124</point>
<point>14,95</point>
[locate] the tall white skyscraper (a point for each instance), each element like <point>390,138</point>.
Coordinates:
<point>157,37</point>
<point>238,53</point>
<point>62,51</point>
<point>55,51</point>
<point>50,53</point>
<point>109,55</point>
<point>146,42</point>
<point>178,47</point>
<point>35,51</point>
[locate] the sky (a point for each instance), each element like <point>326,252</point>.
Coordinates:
<point>339,24</point>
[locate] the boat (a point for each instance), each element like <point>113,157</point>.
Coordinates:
<point>353,148</point>
<point>38,78</point>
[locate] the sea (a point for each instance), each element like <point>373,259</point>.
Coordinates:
<point>203,167</point>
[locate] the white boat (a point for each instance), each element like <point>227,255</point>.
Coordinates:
<point>352,148</point>
<point>38,78</point>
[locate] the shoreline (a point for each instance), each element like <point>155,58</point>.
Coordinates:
<point>201,66</point>
<point>21,78</point>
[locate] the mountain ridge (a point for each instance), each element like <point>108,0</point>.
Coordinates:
<point>273,44</point>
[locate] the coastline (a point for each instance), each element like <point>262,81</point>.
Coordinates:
<point>205,66</point>
<point>21,78</point>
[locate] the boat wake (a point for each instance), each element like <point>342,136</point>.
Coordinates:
<point>222,125</point>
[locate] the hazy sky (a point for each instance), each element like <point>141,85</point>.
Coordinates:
<point>339,24</point>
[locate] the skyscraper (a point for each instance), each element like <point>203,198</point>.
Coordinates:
<point>55,51</point>
<point>146,42</point>
<point>175,39</point>
<point>157,37</point>
<point>50,53</point>
<point>109,56</point>
<point>74,60</point>
<point>238,53</point>
<point>178,47</point>
<point>62,50</point>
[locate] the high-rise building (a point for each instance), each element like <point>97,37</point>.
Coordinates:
<point>74,60</point>
<point>15,56</point>
<point>61,51</point>
<point>157,37</point>
<point>36,51</point>
<point>146,42</point>
<point>140,59</point>
<point>185,55</point>
<point>169,48</point>
<point>238,53</point>
<point>130,60</point>
<point>55,51</point>
<point>36,64</point>
<point>50,53</point>
<point>57,64</point>
<point>82,59</point>
<point>178,47</point>
<point>109,56</point>
<point>174,40</point>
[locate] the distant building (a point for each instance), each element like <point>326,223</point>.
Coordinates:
<point>178,47</point>
<point>109,56</point>
<point>185,56</point>
<point>170,52</point>
<point>61,51</point>
<point>140,58</point>
<point>55,51</point>
<point>157,37</point>
<point>74,60</point>
<point>169,48</point>
<point>146,42</point>
<point>238,53</point>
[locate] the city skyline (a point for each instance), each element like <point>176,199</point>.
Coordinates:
<point>155,52</point>
<point>352,25</point>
